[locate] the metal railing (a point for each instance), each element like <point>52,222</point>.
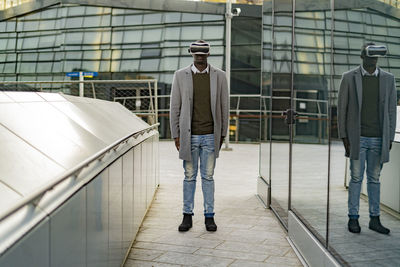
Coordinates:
<point>139,96</point>
<point>35,196</point>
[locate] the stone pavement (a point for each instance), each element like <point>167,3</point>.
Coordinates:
<point>248,235</point>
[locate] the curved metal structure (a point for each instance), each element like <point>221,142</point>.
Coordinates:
<point>76,178</point>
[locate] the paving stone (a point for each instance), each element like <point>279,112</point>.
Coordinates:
<point>193,260</point>
<point>189,241</point>
<point>284,260</point>
<point>253,248</point>
<point>164,247</point>
<point>139,263</point>
<point>248,235</point>
<point>144,254</point>
<point>244,263</point>
<point>231,255</point>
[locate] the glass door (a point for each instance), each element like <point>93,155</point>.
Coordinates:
<point>281,92</point>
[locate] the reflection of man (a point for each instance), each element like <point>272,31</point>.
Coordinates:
<point>199,122</point>
<point>366,122</point>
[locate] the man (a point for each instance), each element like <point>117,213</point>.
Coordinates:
<point>199,123</point>
<point>366,122</point>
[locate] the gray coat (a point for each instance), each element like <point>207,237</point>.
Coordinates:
<point>182,106</point>
<point>349,110</point>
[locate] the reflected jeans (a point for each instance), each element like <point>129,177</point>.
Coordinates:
<point>370,152</point>
<point>202,147</point>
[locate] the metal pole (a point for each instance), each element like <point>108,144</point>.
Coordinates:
<point>228,17</point>
<point>81,85</point>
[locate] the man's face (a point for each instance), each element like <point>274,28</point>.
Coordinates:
<point>200,59</point>
<point>369,62</point>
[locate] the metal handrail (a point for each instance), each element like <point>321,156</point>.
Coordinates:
<point>73,81</point>
<point>72,172</point>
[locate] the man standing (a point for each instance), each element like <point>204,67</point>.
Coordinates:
<point>366,122</point>
<point>199,123</point>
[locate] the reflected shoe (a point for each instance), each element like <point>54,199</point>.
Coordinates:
<point>375,225</point>
<point>354,226</point>
<point>186,223</point>
<point>210,224</point>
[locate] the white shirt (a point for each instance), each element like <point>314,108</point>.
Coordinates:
<point>366,73</point>
<point>195,70</point>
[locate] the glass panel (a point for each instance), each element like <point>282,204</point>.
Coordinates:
<point>191,33</point>
<point>149,64</point>
<point>368,247</point>
<point>310,133</point>
<point>129,65</point>
<point>265,101</point>
<point>213,32</point>
<point>172,33</point>
<point>281,86</point>
<point>152,18</point>
<point>152,35</point>
<point>132,36</point>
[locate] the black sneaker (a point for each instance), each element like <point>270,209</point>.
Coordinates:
<point>354,226</point>
<point>375,225</point>
<point>186,223</point>
<point>210,224</point>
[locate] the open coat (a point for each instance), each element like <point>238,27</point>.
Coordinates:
<point>349,110</point>
<point>181,108</point>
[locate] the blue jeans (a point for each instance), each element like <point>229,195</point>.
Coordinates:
<point>370,152</point>
<point>203,149</point>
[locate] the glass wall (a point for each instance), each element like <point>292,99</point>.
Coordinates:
<point>304,162</point>
<point>127,43</point>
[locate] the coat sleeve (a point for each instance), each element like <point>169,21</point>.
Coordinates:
<point>392,110</point>
<point>175,107</point>
<point>343,101</point>
<point>224,106</point>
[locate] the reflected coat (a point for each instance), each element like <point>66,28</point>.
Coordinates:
<point>181,108</point>
<point>349,110</point>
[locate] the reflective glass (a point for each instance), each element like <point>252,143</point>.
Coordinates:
<point>152,18</point>
<point>92,21</point>
<point>133,36</point>
<point>187,17</point>
<point>172,33</point>
<point>92,38</point>
<point>30,43</point>
<point>172,17</point>
<point>149,64</point>
<point>368,247</point>
<point>280,93</point>
<point>213,32</point>
<point>133,19</point>
<point>310,148</point>
<point>91,65</point>
<point>170,63</point>
<point>129,65</point>
<point>216,61</point>
<point>75,22</point>
<point>152,35</point>
<point>191,33</point>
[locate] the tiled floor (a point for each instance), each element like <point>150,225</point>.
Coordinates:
<point>248,235</point>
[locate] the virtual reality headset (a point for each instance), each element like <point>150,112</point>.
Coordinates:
<point>199,48</point>
<point>375,51</point>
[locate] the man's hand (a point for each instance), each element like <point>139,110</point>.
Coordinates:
<point>177,143</point>
<point>346,146</point>
<point>221,141</point>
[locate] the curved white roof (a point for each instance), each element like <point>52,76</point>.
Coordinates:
<point>42,135</point>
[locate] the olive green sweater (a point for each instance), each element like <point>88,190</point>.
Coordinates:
<point>370,123</point>
<point>202,121</point>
